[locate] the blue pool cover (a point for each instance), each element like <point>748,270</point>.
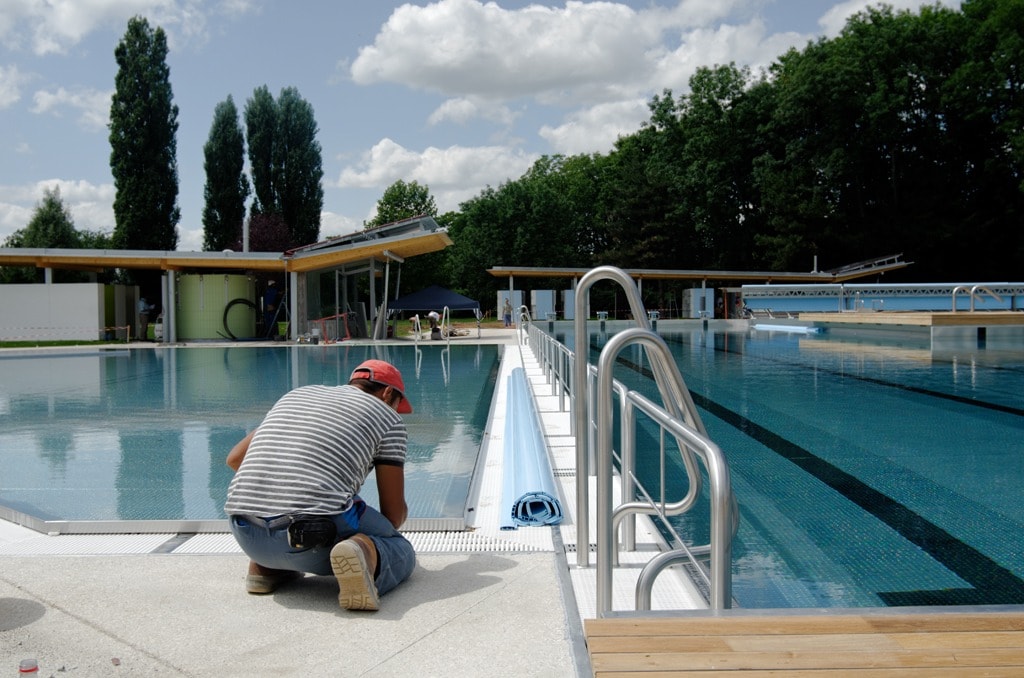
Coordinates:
<point>529,497</point>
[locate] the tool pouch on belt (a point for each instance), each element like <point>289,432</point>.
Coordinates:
<point>306,532</point>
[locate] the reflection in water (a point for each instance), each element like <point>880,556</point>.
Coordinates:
<point>142,434</point>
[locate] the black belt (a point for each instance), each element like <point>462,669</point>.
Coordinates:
<point>267,523</point>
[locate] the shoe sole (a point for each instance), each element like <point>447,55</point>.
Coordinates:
<point>356,589</point>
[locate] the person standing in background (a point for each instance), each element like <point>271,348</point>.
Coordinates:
<point>270,299</point>
<point>144,309</point>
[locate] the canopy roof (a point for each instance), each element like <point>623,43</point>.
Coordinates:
<point>396,242</point>
<point>434,298</point>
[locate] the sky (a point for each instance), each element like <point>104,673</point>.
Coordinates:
<point>456,95</point>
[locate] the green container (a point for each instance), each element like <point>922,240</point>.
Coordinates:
<point>282,329</point>
<point>203,300</point>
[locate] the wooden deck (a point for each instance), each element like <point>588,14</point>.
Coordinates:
<point>919,318</point>
<point>886,643</point>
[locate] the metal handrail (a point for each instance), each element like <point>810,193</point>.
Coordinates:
<point>956,290</point>
<point>524,324</point>
<point>690,439</point>
<point>976,292</point>
<point>445,325</point>
<point>676,397</point>
<point>556,361</point>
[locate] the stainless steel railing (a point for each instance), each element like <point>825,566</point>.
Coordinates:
<point>592,392</point>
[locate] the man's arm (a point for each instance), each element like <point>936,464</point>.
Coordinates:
<point>391,490</point>
<point>237,453</point>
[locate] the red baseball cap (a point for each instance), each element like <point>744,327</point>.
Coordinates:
<point>381,372</point>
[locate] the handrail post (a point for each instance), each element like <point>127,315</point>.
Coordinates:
<point>579,388</point>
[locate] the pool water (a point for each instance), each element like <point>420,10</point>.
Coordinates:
<point>867,474</point>
<point>142,434</point>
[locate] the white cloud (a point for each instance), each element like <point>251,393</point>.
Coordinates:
<point>579,54</point>
<point>93,105</point>
<point>468,48</point>
<point>332,225</point>
<point>55,26</point>
<point>190,239</point>
<point>594,130</point>
<point>452,174</point>
<point>12,217</point>
<point>464,109</point>
<point>11,80</point>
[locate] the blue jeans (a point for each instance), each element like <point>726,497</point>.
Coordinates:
<point>268,546</point>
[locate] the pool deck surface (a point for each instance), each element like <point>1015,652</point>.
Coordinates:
<point>481,603</point>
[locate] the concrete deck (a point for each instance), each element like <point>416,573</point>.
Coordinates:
<point>486,602</point>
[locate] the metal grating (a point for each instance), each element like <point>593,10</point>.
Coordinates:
<point>209,543</point>
<point>469,542</point>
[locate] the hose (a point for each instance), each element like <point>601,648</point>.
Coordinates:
<point>228,308</point>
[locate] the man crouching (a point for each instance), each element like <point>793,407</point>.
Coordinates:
<point>294,502</point>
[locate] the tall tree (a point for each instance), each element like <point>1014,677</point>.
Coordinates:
<point>143,126</point>
<point>285,161</point>
<point>298,167</point>
<point>226,184</point>
<point>403,200</point>
<point>260,130</point>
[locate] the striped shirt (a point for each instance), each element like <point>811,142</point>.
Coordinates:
<point>313,451</point>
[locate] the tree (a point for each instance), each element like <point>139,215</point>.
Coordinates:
<point>285,161</point>
<point>260,129</point>
<point>403,200</point>
<point>298,167</point>
<point>143,125</point>
<point>267,233</point>
<point>226,184</point>
<point>51,226</point>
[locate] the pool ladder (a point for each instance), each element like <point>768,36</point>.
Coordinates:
<point>975,292</point>
<point>592,390</point>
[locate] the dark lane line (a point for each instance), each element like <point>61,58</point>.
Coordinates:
<point>993,583</point>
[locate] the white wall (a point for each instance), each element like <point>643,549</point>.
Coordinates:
<point>51,312</point>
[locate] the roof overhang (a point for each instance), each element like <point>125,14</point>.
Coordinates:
<point>383,249</point>
<point>839,275</point>
<point>393,243</point>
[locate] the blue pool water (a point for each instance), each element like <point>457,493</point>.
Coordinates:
<point>143,434</point>
<point>867,474</point>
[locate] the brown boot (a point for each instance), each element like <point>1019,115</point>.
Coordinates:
<point>354,562</point>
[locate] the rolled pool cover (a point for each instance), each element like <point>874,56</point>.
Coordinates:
<point>529,496</point>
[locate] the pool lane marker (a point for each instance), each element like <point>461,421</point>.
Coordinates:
<point>993,583</point>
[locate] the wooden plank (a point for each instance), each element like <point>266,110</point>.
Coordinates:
<point>836,641</point>
<point>786,624</point>
<point>784,659</point>
<point>959,672</point>
<point>907,645</point>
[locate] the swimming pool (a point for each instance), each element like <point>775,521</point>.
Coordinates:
<point>142,434</point>
<point>868,474</point>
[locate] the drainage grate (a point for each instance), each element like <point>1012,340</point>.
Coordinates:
<point>467,542</point>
